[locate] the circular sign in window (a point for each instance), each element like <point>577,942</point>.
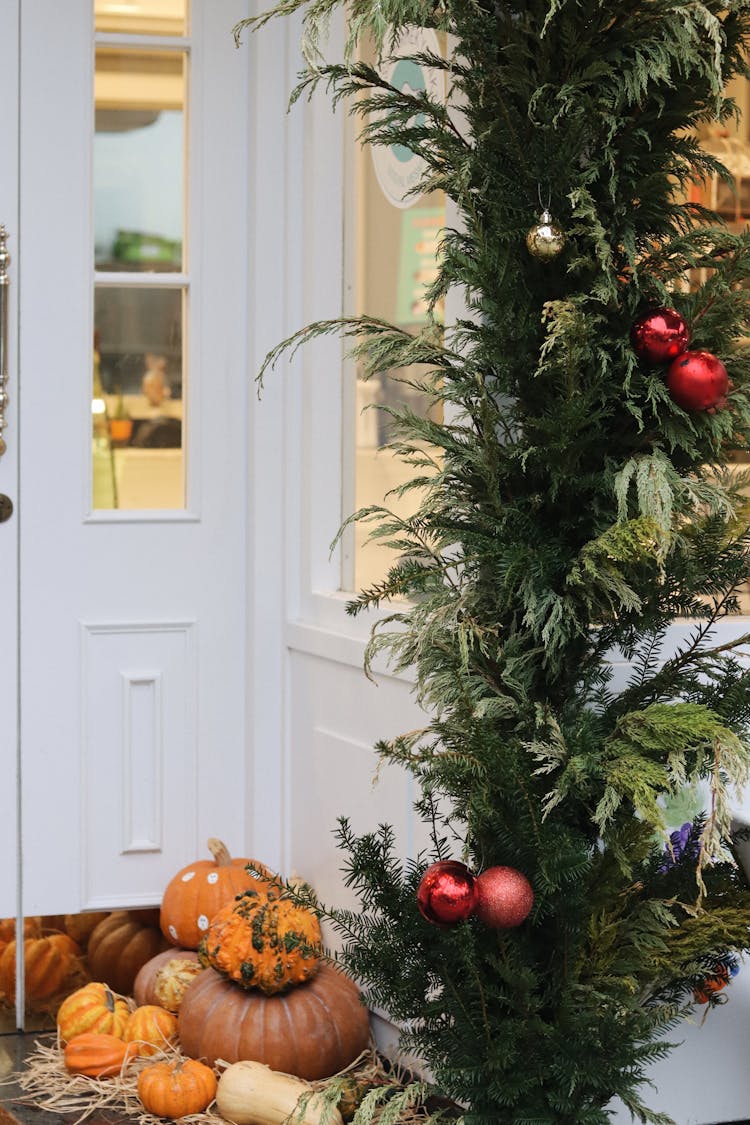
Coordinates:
<point>397,168</point>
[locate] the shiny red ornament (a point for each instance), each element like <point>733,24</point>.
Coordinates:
<point>659,336</point>
<point>698,381</point>
<point>504,897</point>
<point>447,893</point>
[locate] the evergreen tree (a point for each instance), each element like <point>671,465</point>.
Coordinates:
<point>574,510</point>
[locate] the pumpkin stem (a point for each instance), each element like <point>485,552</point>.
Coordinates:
<point>109,1000</point>
<point>220,852</point>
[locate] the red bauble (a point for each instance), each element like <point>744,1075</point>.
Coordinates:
<point>447,893</point>
<point>659,336</point>
<point>698,381</point>
<point>504,897</point>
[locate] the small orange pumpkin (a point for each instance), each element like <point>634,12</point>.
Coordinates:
<point>150,1029</point>
<point>95,1055</point>
<point>176,1088</point>
<point>262,942</point>
<point>199,890</point>
<point>94,1007</point>
<point>49,961</point>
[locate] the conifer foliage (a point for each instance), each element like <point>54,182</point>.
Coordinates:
<point>568,509</point>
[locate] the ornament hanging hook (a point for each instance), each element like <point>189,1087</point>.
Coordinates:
<point>544,207</point>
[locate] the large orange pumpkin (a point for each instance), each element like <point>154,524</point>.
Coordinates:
<point>197,892</point>
<point>48,963</point>
<point>164,978</point>
<point>94,1007</point>
<point>311,1031</point>
<point>263,942</point>
<point>119,946</point>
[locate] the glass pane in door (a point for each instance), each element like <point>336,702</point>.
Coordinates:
<point>144,17</point>
<point>139,163</point>
<point>139,160</point>
<point>137,404</point>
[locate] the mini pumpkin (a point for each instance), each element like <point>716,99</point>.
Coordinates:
<point>119,946</point>
<point>150,1029</point>
<point>176,1088</point>
<point>263,942</point>
<point>198,891</point>
<point>312,1031</point>
<point>164,978</point>
<point>48,963</point>
<point>95,1055</point>
<point>94,1007</point>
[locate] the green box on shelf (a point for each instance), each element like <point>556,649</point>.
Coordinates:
<point>135,246</point>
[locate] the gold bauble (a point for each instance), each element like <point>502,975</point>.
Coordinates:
<point>545,240</point>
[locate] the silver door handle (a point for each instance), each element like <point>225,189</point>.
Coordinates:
<point>4,284</point>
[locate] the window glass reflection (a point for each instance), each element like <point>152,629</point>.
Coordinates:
<point>144,17</point>
<point>139,160</point>
<point>137,402</point>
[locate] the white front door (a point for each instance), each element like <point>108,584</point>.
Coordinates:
<point>123,566</point>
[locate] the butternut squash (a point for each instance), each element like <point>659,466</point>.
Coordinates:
<point>250,1093</point>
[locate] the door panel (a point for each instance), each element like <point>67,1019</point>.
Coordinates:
<point>132,623</point>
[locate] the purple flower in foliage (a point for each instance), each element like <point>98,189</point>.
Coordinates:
<point>679,839</point>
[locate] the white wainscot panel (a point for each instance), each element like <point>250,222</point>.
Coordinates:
<point>139,760</point>
<point>335,720</point>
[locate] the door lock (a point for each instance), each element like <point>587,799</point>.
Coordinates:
<point>6,508</point>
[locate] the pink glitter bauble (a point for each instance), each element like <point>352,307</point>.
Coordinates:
<point>447,893</point>
<point>504,897</point>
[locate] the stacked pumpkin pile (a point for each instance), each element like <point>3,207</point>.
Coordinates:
<point>62,951</point>
<point>246,988</point>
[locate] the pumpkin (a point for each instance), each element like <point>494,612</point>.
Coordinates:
<point>164,978</point>
<point>150,1029</point>
<point>176,1088</point>
<point>32,927</point>
<point>95,1055</point>
<point>119,946</point>
<point>198,891</point>
<point>263,942</point>
<point>81,926</point>
<point>312,1031</point>
<point>94,1007</point>
<point>250,1093</point>
<point>48,963</point>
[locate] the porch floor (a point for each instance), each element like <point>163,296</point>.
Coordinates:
<point>14,1047</point>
